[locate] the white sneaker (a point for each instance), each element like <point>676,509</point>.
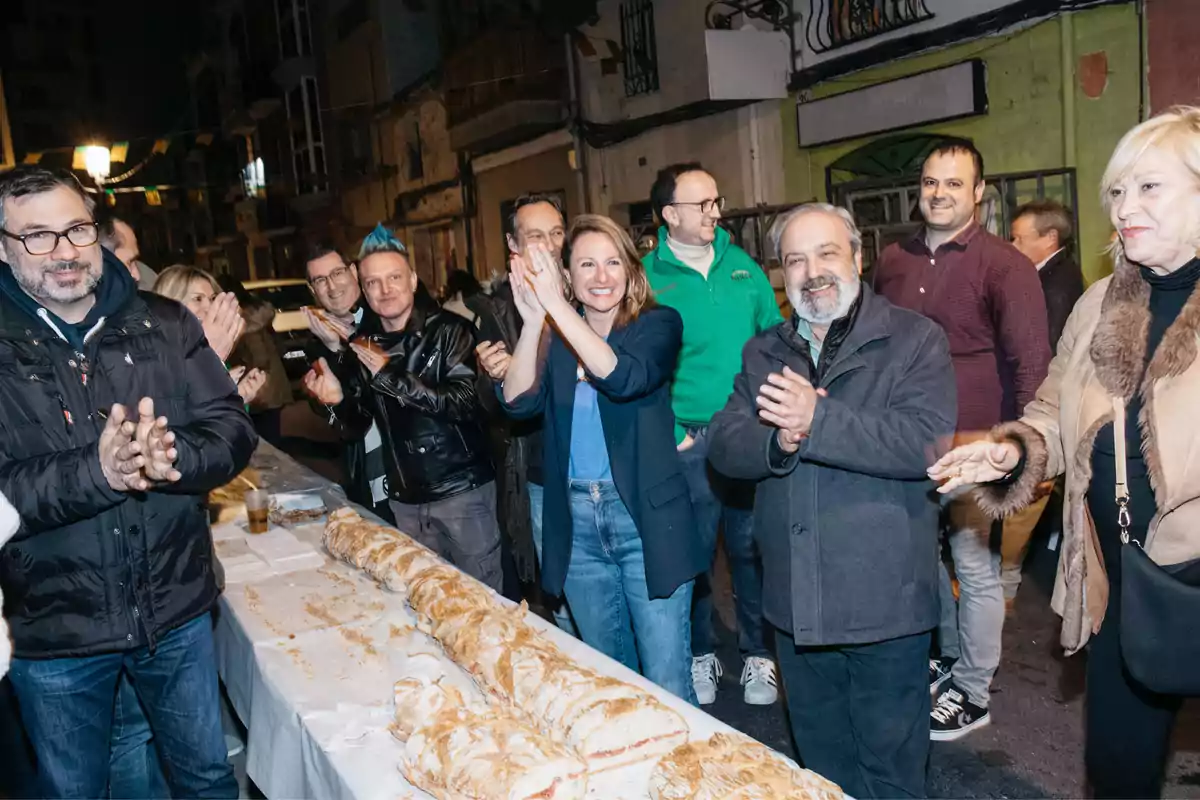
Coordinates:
<point>758,678</point>
<point>233,746</point>
<point>706,671</point>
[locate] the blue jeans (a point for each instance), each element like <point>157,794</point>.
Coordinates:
<point>970,630</point>
<point>134,770</point>
<point>721,501</point>
<point>67,705</point>
<point>562,611</point>
<point>606,586</point>
<point>860,713</point>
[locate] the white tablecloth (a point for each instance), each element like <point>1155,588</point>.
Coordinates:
<point>307,649</point>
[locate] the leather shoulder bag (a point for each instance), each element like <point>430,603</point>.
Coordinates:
<point>1160,605</point>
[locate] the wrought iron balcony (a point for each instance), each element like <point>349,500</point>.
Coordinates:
<point>831,24</point>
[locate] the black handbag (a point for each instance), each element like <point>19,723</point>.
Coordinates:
<point>1160,606</point>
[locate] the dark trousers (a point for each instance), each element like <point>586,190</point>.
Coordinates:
<point>461,529</point>
<point>723,502</point>
<point>860,713</point>
<point>1128,726</point>
<point>18,773</point>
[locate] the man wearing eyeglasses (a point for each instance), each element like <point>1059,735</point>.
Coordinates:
<point>725,299</point>
<point>334,284</point>
<point>116,420</point>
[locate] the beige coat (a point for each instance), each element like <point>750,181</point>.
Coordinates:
<point>1100,356</point>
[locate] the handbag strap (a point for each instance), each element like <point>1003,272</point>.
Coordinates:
<point>1122,488</point>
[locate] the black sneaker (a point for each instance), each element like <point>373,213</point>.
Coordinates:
<point>954,716</point>
<point>939,672</point>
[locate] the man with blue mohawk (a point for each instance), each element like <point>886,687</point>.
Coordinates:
<point>417,382</point>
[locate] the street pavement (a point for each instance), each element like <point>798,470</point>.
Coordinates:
<point>1034,746</point>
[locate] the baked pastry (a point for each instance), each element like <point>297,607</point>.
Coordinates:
<point>442,593</point>
<point>488,753</point>
<point>607,722</point>
<point>610,723</point>
<point>735,767</point>
<point>456,746</point>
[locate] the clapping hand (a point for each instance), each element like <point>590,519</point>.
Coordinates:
<point>975,463</point>
<point>120,459</point>
<point>373,358</point>
<point>249,384</point>
<point>494,358</point>
<point>528,305</point>
<point>329,329</point>
<point>157,444</point>
<point>223,324</point>
<point>788,401</point>
<point>544,275</point>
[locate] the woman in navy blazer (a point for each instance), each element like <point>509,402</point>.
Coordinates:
<point>618,532</point>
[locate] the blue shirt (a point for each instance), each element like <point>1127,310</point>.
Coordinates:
<point>589,453</point>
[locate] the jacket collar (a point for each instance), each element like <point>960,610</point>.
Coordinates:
<point>721,244</point>
<point>1118,348</point>
<point>117,306</point>
<point>871,323</point>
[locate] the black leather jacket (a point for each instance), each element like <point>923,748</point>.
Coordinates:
<point>427,408</point>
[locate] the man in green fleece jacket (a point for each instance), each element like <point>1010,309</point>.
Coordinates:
<point>725,299</point>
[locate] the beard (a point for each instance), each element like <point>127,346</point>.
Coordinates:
<point>823,310</point>
<point>38,283</point>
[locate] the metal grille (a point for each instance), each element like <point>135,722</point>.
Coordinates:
<point>837,23</point>
<point>639,47</point>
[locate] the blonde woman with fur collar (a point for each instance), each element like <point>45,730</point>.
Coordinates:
<point>1129,346</point>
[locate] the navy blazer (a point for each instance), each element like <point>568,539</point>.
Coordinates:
<point>639,429</point>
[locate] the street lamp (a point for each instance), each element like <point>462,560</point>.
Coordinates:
<point>97,161</point>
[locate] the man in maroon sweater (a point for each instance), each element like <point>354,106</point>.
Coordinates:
<point>988,299</point>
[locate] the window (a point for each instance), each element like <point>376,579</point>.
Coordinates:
<point>307,138</point>
<point>357,154</point>
<point>837,23</point>
<point>413,153</point>
<point>295,38</point>
<point>639,47</point>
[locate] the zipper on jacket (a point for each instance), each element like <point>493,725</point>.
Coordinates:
<point>68,420</point>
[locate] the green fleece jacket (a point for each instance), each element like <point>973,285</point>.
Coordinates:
<point>720,314</point>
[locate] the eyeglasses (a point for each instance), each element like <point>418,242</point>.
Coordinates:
<point>41,243</point>
<point>338,275</point>
<point>705,205</point>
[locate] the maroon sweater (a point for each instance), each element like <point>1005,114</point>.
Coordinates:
<point>988,299</point>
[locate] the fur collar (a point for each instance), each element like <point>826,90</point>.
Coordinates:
<point>1118,350</point>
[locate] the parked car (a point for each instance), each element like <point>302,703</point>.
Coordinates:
<point>288,296</point>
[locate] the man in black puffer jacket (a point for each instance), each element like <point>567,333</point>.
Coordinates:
<point>417,381</point>
<point>116,419</point>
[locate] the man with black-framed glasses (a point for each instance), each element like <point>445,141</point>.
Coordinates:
<point>725,299</point>
<point>333,282</point>
<point>111,575</point>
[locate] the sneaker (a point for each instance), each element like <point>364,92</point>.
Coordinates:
<point>955,716</point>
<point>233,746</point>
<point>706,671</point>
<point>939,672</point>
<point>758,678</point>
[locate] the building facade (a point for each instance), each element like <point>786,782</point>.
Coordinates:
<point>1045,93</point>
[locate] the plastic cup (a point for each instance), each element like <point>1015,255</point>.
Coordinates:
<point>258,510</point>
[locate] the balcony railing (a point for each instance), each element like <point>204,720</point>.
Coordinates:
<point>837,23</point>
<point>501,67</point>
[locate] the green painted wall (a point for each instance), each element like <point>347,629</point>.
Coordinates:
<point>1023,129</point>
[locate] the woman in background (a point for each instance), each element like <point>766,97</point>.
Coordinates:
<point>218,313</point>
